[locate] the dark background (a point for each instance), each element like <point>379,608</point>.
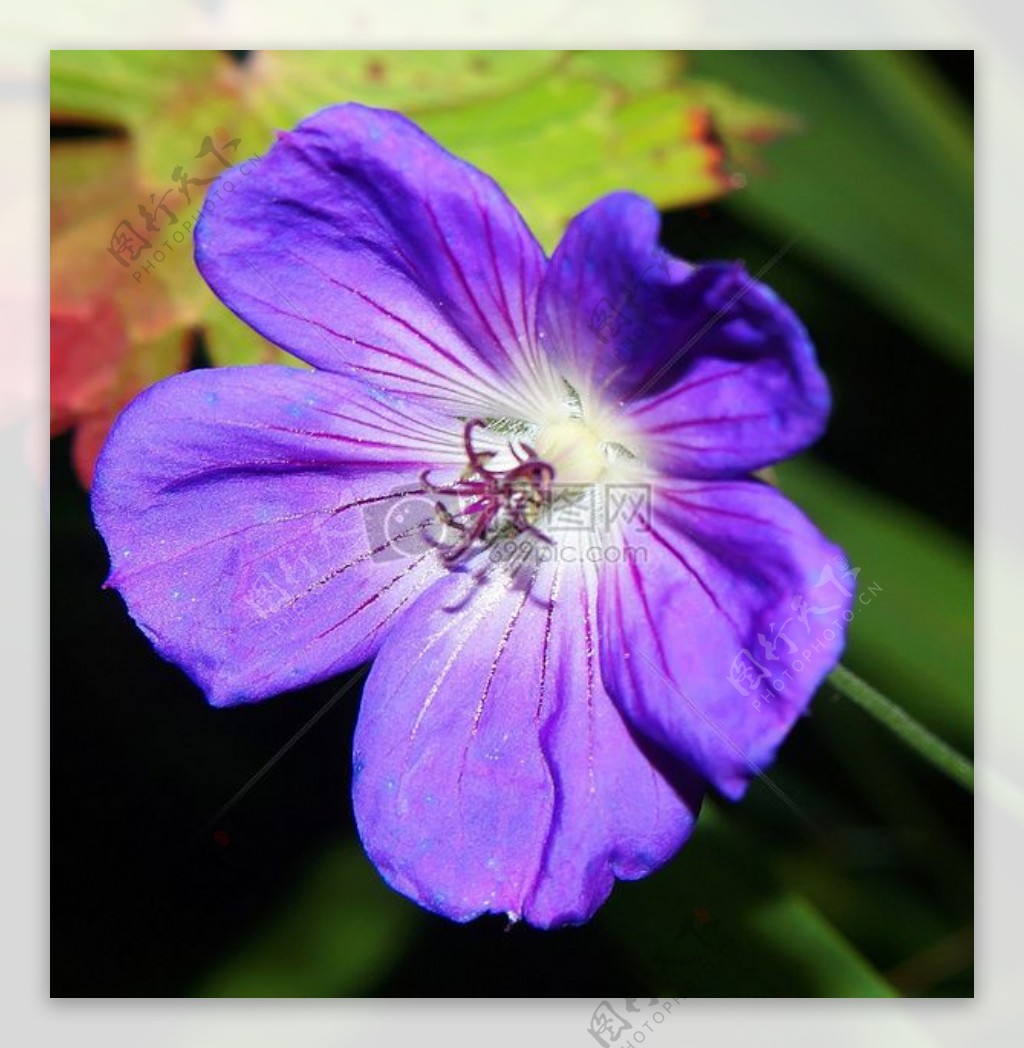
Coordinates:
<point>150,886</point>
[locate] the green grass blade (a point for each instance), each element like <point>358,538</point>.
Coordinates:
<point>898,721</point>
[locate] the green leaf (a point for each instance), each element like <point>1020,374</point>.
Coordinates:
<point>287,86</point>
<point>914,613</point>
<point>716,922</point>
<point>560,144</point>
<point>887,916</point>
<point>130,88</point>
<point>632,71</point>
<point>340,930</point>
<point>903,726</point>
<point>619,121</point>
<point>231,342</point>
<point>879,187</point>
<point>111,335</point>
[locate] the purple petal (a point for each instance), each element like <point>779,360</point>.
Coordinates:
<point>248,513</point>
<point>598,295</point>
<point>493,774</point>
<point>616,814</point>
<point>360,244</point>
<point>719,623</point>
<point>716,376</point>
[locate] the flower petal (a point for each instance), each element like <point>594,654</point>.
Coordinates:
<point>248,513</point>
<point>607,258</point>
<point>716,376</point>
<point>621,809</point>
<point>492,772</point>
<point>719,623</point>
<point>358,243</point>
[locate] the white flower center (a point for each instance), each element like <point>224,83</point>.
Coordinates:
<point>574,449</point>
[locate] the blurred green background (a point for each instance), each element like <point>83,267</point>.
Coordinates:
<point>850,176</point>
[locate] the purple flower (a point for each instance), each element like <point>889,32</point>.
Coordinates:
<point>522,485</point>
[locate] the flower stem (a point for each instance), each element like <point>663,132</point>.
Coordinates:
<point>915,735</point>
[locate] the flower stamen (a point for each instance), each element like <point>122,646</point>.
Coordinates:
<point>499,499</point>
